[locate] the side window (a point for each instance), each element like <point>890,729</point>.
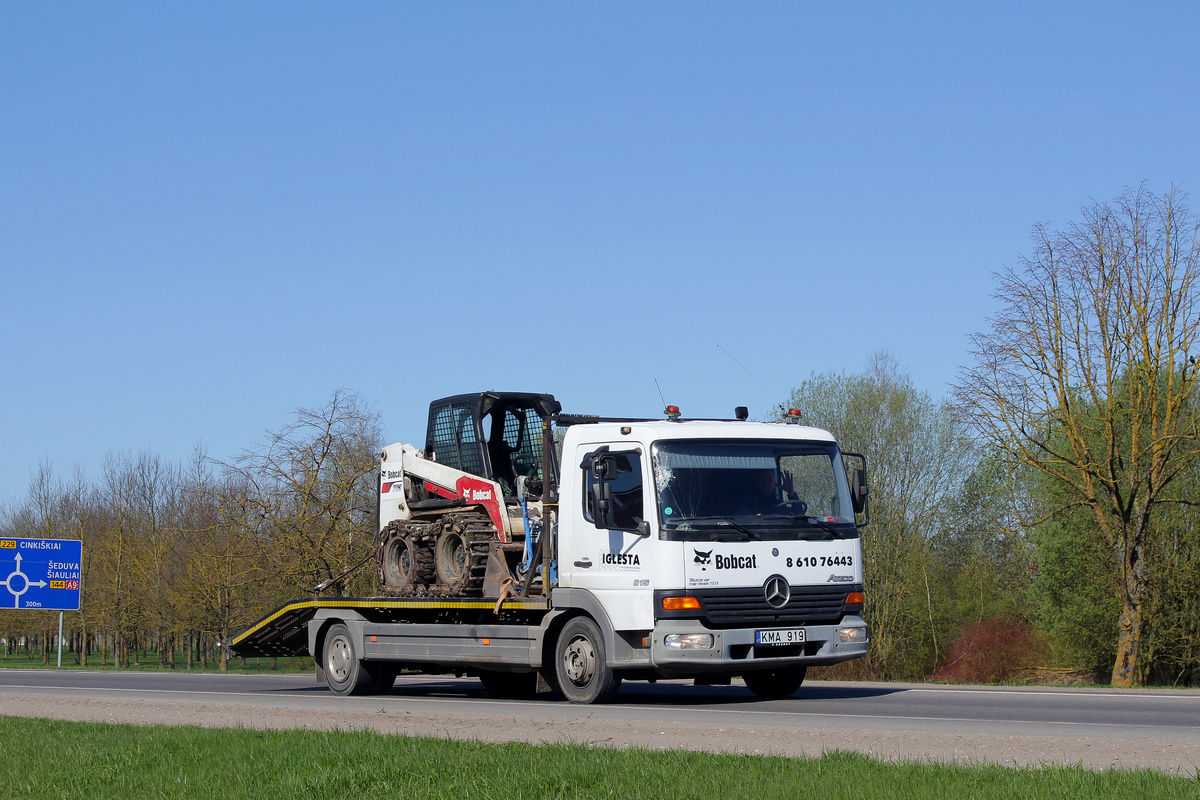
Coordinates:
<point>812,481</point>
<point>626,492</point>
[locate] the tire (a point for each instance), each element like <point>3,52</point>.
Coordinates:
<point>509,684</point>
<point>460,553</point>
<point>579,663</point>
<point>775,684</point>
<point>385,679</point>
<point>405,559</point>
<point>450,558</point>
<point>345,672</point>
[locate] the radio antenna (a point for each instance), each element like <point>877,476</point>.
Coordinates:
<point>660,394</point>
<point>743,366</point>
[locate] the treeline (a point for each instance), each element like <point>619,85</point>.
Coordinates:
<point>179,557</point>
<point>979,571</point>
<point>968,577</point>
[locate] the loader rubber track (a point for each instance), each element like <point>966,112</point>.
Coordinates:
<point>405,558</point>
<point>460,554</point>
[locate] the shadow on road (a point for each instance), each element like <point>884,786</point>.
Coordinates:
<point>678,694</point>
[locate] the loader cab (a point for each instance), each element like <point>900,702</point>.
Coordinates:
<point>495,435</point>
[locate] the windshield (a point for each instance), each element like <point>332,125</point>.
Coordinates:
<point>789,488</point>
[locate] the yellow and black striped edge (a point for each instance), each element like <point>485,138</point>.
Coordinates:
<point>398,603</point>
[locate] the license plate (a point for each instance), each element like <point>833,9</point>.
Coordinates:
<point>788,636</point>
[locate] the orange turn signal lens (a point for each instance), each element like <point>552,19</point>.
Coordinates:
<point>680,603</point>
<point>854,599</point>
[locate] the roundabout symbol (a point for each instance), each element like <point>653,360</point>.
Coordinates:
<point>18,583</point>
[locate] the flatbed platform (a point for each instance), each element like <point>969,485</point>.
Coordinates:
<point>284,632</point>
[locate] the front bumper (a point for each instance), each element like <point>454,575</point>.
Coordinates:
<point>734,650</point>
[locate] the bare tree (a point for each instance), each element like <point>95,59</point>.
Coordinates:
<point>1087,375</point>
<point>312,490</point>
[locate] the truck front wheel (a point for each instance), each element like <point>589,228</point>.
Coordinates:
<point>344,671</point>
<point>583,676</point>
<point>775,684</point>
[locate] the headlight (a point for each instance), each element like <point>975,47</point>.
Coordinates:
<point>688,641</point>
<point>853,634</point>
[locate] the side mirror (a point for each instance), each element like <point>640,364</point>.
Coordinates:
<point>602,506</point>
<point>859,491</point>
<point>609,513</point>
<point>603,466</point>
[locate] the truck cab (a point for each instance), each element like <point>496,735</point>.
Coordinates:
<point>711,548</point>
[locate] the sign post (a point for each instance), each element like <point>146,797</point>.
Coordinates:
<point>42,574</point>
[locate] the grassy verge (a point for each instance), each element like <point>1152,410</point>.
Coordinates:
<point>52,759</point>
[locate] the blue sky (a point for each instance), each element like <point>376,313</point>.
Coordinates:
<point>212,214</point>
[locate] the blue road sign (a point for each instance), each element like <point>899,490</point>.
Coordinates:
<point>40,573</point>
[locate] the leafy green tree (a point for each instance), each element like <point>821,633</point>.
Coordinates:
<point>917,457</point>
<point>1087,375</point>
<point>983,555</point>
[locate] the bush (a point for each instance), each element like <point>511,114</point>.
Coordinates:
<point>989,651</point>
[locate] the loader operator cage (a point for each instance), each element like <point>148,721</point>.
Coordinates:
<point>495,435</point>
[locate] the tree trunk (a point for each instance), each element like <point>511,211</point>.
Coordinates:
<point>1127,669</point>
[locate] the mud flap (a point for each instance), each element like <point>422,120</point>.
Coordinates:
<point>545,686</point>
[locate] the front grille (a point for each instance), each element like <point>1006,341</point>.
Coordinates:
<point>746,607</point>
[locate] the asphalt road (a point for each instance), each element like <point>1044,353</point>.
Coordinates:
<point>1163,715</point>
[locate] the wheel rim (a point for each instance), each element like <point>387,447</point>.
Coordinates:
<point>579,661</point>
<point>454,556</point>
<point>340,658</point>
<point>405,563</point>
<point>393,561</point>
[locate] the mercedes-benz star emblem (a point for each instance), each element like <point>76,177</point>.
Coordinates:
<point>777,591</point>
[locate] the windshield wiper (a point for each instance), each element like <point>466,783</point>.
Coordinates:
<point>723,521</point>
<point>815,520</point>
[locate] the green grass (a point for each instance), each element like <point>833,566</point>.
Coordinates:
<point>149,663</point>
<point>52,759</point>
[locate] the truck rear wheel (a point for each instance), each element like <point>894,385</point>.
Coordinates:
<point>583,676</point>
<point>385,679</point>
<point>345,672</point>
<point>775,684</point>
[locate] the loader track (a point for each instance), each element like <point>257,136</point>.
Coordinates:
<point>405,558</point>
<point>460,554</point>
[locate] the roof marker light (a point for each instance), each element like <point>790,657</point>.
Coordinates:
<point>673,413</point>
<point>793,416</point>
